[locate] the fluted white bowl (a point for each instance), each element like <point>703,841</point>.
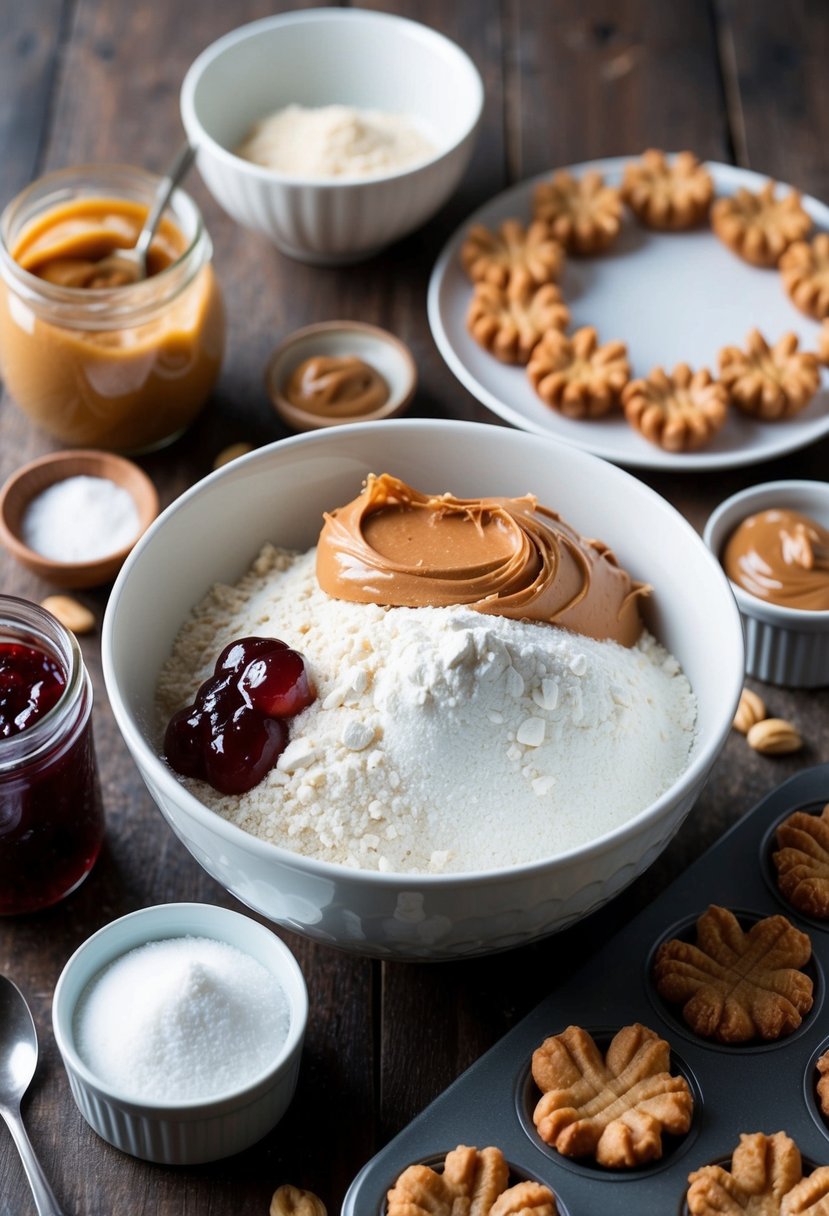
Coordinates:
<point>278,493</point>
<point>322,57</point>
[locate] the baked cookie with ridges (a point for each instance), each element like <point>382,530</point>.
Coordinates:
<point>670,193</point>
<point>614,1107</point>
<point>472,1183</point>
<point>805,270</point>
<point>759,227</point>
<point>584,213</point>
<point>764,1170</point>
<point>769,382</point>
<point>735,985</point>
<point>802,862</point>
<point>679,412</point>
<point>510,321</point>
<point>494,257</point>
<point>576,376</point>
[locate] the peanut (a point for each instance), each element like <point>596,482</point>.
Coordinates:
<point>232,452</point>
<point>751,709</point>
<point>291,1201</point>
<point>774,737</point>
<point>72,614</point>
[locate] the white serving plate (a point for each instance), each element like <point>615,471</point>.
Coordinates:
<point>672,297</point>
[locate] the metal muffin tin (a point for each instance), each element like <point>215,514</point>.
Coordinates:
<point>752,1088</point>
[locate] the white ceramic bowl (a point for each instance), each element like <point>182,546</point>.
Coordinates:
<point>322,57</point>
<point>786,646</point>
<point>184,1133</point>
<point>278,493</point>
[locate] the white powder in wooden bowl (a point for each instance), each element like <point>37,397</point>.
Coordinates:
<point>442,739</point>
<point>335,141</point>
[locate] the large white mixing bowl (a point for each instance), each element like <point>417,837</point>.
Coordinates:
<point>213,532</point>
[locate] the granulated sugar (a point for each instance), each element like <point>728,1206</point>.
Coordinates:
<point>442,739</point>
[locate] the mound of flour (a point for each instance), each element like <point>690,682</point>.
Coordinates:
<point>442,739</point>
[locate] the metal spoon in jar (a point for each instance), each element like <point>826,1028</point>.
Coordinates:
<point>124,266</point>
<point>18,1059</point>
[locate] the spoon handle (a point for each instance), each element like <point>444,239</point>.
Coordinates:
<point>45,1201</point>
<point>165,189</point>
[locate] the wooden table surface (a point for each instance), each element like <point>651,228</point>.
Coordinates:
<point>566,80</point>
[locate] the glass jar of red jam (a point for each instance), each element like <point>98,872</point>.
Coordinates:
<point>51,816</point>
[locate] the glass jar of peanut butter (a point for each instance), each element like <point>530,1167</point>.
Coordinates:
<point>97,362</point>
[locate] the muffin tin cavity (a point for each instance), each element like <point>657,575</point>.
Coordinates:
<point>435,1162</point>
<point>769,846</point>
<point>808,1165</point>
<point>811,1076</point>
<point>527,1095</point>
<point>685,930</point>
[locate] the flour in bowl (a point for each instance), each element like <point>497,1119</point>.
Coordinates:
<point>441,739</point>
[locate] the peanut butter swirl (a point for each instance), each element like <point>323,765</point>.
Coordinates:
<point>336,386</point>
<point>505,556</point>
<point>781,557</point>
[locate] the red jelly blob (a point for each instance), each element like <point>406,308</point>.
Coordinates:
<point>243,751</point>
<point>31,682</point>
<point>277,684</point>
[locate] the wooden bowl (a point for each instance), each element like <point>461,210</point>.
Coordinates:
<point>33,478</point>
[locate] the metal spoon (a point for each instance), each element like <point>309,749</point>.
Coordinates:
<point>130,265</point>
<point>18,1059</point>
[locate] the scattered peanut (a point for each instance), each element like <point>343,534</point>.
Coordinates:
<point>774,737</point>
<point>291,1201</point>
<point>232,452</point>
<point>751,709</point>
<point>72,614</point>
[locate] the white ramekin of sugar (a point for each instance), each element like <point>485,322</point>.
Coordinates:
<point>180,1027</point>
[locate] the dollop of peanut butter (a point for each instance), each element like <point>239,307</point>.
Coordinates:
<point>336,386</point>
<point>782,557</point>
<point>505,556</point>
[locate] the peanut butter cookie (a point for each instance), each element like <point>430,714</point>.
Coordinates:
<point>802,862</point>
<point>576,376</point>
<point>733,985</point>
<point>509,321</point>
<point>769,382</point>
<point>583,212</point>
<point>759,227</point>
<point>670,194</point>
<point>680,412</point>
<point>805,270</point>
<point>764,1171</point>
<point>494,257</point>
<point>614,1107</point>
<point>472,1183</point>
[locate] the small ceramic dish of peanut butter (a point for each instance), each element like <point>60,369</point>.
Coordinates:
<point>338,372</point>
<point>773,543</point>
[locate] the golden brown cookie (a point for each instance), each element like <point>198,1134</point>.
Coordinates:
<point>614,1107</point>
<point>805,270</point>
<point>802,862</point>
<point>764,1170</point>
<point>494,257</point>
<point>667,193</point>
<point>810,1197</point>
<point>679,412</point>
<point>509,321</point>
<point>759,227</point>
<point>583,212</point>
<point>576,376</point>
<point>733,985</point>
<point>525,1199</point>
<point>472,1183</point>
<point>769,382</point>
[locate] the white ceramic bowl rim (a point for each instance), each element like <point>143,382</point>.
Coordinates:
<point>167,781</point>
<point>730,513</point>
<point>199,136</point>
<point>195,1107</point>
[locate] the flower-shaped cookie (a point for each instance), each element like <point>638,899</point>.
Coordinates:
<point>576,376</point>
<point>472,1184</point>
<point>582,212</point>
<point>616,1107</point>
<point>805,270</point>
<point>509,321</point>
<point>735,986</point>
<point>759,227</point>
<point>802,862</point>
<point>769,382</point>
<point>494,257</point>
<point>764,1170</point>
<point>680,412</point>
<point>663,193</point>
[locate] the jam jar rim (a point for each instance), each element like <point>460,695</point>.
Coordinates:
<point>102,309</point>
<point>30,744</point>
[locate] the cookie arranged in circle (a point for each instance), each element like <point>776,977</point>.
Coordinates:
<point>759,226</point>
<point>769,382</point>
<point>510,321</point>
<point>765,1178</point>
<point>576,376</point>
<point>671,193</point>
<point>584,213</point>
<point>802,862</point>
<point>805,270</point>
<point>679,412</point>
<point>471,1181</point>
<point>495,257</point>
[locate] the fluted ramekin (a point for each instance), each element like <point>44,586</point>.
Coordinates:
<point>786,646</point>
<point>183,1133</point>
